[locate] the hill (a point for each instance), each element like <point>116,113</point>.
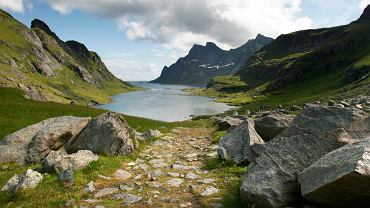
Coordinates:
<point>205,62</point>
<point>49,69</point>
<point>303,66</point>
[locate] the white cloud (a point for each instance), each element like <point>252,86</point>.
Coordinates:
<point>12,5</point>
<point>364,3</point>
<point>178,24</point>
<point>132,69</point>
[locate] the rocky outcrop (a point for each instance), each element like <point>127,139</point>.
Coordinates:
<point>33,143</point>
<point>236,145</point>
<point>340,178</point>
<point>107,134</point>
<point>29,180</point>
<point>225,123</point>
<point>60,161</point>
<point>272,124</point>
<point>150,134</point>
<point>272,179</point>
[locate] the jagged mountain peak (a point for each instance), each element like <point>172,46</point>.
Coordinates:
<point>211,45</point>
<point>366,14</point>
<point>39,24</point>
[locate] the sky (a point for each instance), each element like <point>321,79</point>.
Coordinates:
<point>137,38</point>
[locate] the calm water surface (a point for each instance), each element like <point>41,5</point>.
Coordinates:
<point>164,102</point>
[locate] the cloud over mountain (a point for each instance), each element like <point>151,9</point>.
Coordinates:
<point>178,24</point>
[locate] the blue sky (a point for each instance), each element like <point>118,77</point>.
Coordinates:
<point>136,38</point>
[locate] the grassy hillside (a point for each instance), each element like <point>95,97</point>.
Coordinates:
<point>48,69</point>
<point>301,67</point>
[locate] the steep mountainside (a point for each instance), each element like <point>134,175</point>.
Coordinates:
<point>341,53</point>
<point>301,67</point>
<point>48,69</point>
<point>205,62</point>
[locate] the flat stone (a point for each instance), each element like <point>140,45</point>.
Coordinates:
<point>175,182</point>
<point>180,167</point>
<point>90,187</point>
<point>191,176</point>
<point>173,174</point>
<point>122,175</point>
<point>208,191</point>
<point>104,177</point>
<point>105,192</point>
<point>125,188</point>
<point>206,180</point>
<point>128,198</point>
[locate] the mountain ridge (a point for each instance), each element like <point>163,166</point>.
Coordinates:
<point>202,63</point>
<point>36,60</point>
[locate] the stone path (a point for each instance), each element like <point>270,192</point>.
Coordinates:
<point>167,173</point>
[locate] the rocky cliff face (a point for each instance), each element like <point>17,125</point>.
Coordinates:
<point>41,64</point>
<point>205,62</point>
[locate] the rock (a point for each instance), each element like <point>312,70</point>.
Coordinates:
<point>208,191</point>
<point>72,102</point>
<point>180,167</point>
<point>28,180</point>
<point>344,103</point>
<point>90,187</point>
<point>331,103</point>
<point>272,179</point>
<point>235,113</point>
<point>150,134</point>
<point>33,143</point>
<point>225,123</point>
<point>105,192</point>
<point>125,188</point>
<point>128,198</point>
<point>340,178</point>
<point>271,125</point>
<point>206,180</point>
<point>66,177</point>
<point>60,160</point>
<point>235,145</point>
<point>155,174</point>
<point>122,175</point>
<point>191,176</point>
<point>176,182</point>
<point>295,108</point>
<point>107,134</point>
<point>172,174</point>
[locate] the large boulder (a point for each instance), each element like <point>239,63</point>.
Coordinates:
<point>236,145</point>
<point>340,178</point>
<point>272,178</point>
<point>33,143</point>
<point>107,134</point>
<point>272,124</point>
<point>225,123</point>
<point>61,161</point>
<point>28,180</point>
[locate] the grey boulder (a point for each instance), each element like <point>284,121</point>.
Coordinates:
<point>150,134</point>
<point>107,134</point>
<point>60,161</point>
<point>340,178</point>
<point>225,123</point>
<point>34,142</point>
<point>271,125</point>
<point>272,178</point>
<point>236,145</point>
<point>29,180</point>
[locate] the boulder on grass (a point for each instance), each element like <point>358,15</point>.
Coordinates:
<point>271,125</point>
<point>236,145</point>
<point>33,143</point>
<point>272,178</point>
<point>60,161</point>
<point>340,178</point>
<point>29,180</point>
<point>150,134</point>
<point>107,134</point>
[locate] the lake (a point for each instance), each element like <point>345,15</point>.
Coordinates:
<point>164,102</point>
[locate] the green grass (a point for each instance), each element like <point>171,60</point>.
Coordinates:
<point>17,112</point>
<point>232,175</point>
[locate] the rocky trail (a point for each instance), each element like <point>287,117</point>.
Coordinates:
<point>167,173</point>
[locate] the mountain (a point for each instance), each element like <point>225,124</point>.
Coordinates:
<point>301,67</point>
<point>339,54</point>
<point>49,69</point>
<point>205,62</point>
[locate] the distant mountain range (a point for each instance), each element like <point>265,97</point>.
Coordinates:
<point>49,69</point>
<point>206,62</point>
